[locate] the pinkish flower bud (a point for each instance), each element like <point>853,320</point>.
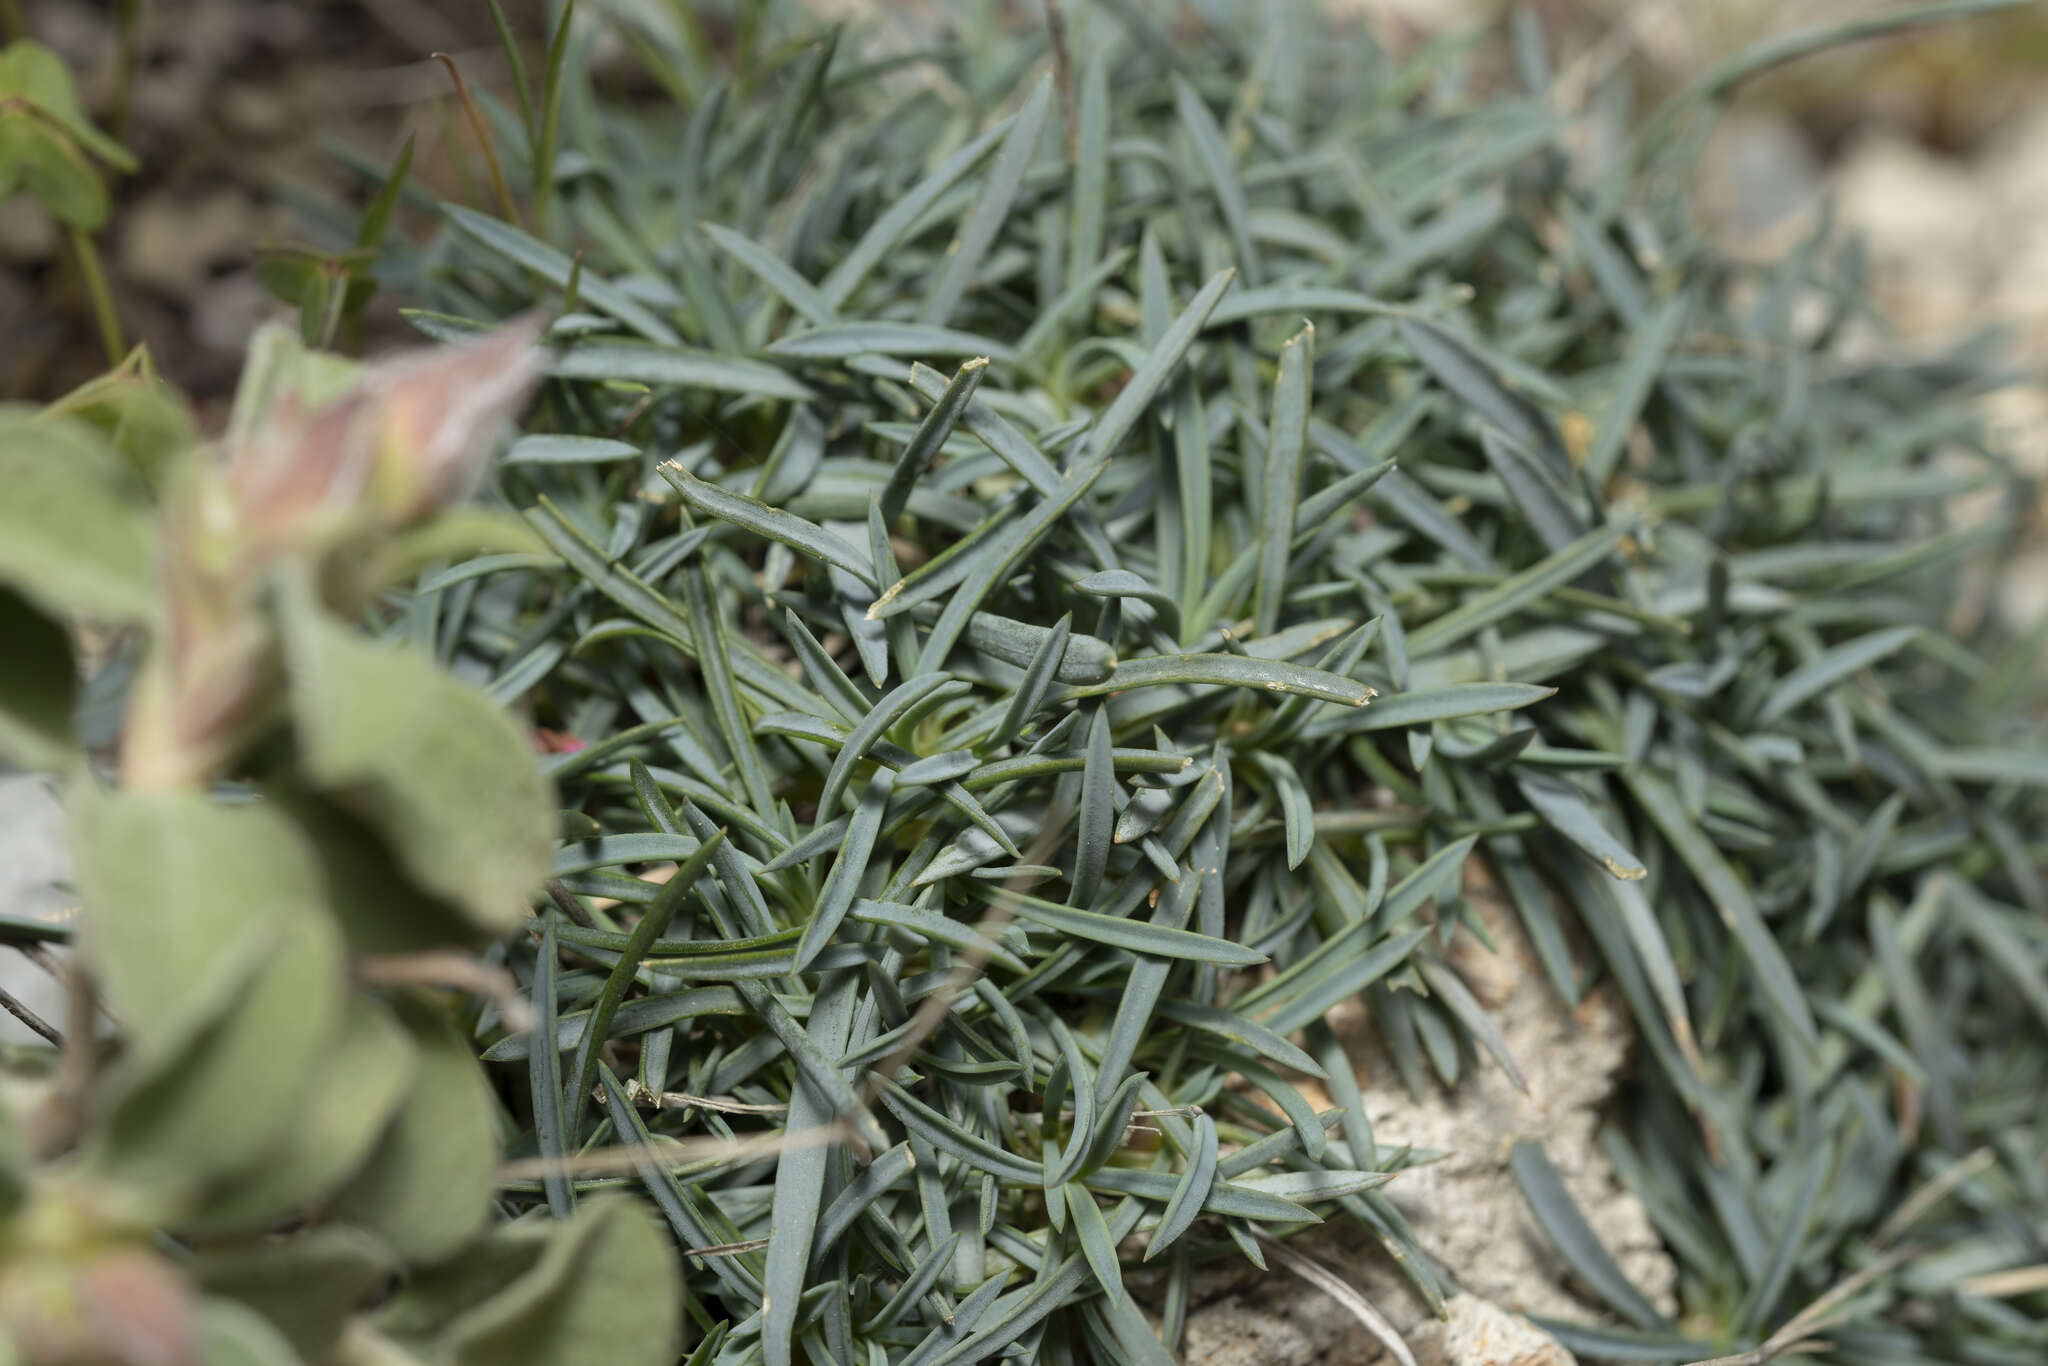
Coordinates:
<point>437,413</point>
<point>409,437</point>
<point>125,1306</point>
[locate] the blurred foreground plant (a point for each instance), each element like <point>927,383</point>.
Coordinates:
<point>288,1116</point>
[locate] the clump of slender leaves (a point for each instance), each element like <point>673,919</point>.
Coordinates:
<point>1052,571</point>
<point>1074,572</point>
<point>1106,547</point>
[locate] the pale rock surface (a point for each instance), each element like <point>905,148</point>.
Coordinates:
<point>1481,1333</point>
<point>1466,1210</point>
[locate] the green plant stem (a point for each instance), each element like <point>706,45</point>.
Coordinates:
<point>127,56</point>
<point>12,24</point>
<point>550,119</point>
<point>93,272</point>
<point>483,139</point>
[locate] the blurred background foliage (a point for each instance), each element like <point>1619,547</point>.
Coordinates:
<point>235,108</point>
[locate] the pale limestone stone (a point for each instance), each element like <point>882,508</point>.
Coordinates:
<point>1466,1210</point>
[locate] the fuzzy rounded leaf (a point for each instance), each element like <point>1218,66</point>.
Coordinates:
<point>148,423</point>
<point>432,1297</point>
<point>208,1096</point>
<point>39,77</point>
<point>73,534</point>
<point>380,909</point>
<point>168,879</point>
<point>232,1334</point>
<point>43,160</point>
<point>363,1079</point>
<point>604,1290</point>
<point>426,1190</point>
<point>305,1285</point>
<point>430,764</point>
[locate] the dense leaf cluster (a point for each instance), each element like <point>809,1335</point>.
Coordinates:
<point>1050,572</point>
<point>1093,674</point>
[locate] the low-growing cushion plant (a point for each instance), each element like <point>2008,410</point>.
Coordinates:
<point>1048,564</point>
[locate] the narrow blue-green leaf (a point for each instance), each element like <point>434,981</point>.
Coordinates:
<point>843,341</point>
<point>1150,377</point>
<point>1093,1233</point>
<point>1566,811</point>
<point>936,927</point>
<point>1047,1293</point>
<point>1830,667</point>
<point>694,1225</point>
<point>1127,583</point>
<point>1032,688</point>
<point>1286,441</point>
<point>938,768</point>
<point>568,450</point>
<point>1076,302</point>
<point>1086,659</point>
<point>1230,671</point>
<point>905,211</point>
<point>823,671</point>
<point>1144,987</point>
<point>1227,1198</point>
<point>544,1072</point>
<point>1651,344</point>
<point>1431,876</point>
<point>776,524</point>
<point>1538,492</point>
<point>1097,819</point>
<point>1238,1029</point>
<point>1091,168</point>
<point>637,1016</point>
<point>1794,1223</point>
<point>931,434</point>
<point>2018,764</point>
<point>1450,989</point>
<point>991,207</point>
<point>1189,1192</point>
<point>875,1180</point>
<point>950,1138</point>
<point>1214,154</point>
<point>994,565</point>
<point>1561,1220</point>
<point>625,362</point>
<point>707,622</point>
<point>1513,594</point>
<point>1474,381</point>
<point>1297,812</point>
<point>1993,927</point>
<point>991,558</point>
<point>799,293</point>
<point>1423,706</point>
<point>885,713</point>
<point>843,884</point>
<point>1337,970</point>
<point>990,428</point>
<point>1137,936</point>
<point>1653,952</point>
<point>917,1284</point>
<point>613,850</point>
<point>1296,299</point>
<point>1731,899</point>
<point>551,265</point>
<point>800,1173</point>
<point>654,921</point>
